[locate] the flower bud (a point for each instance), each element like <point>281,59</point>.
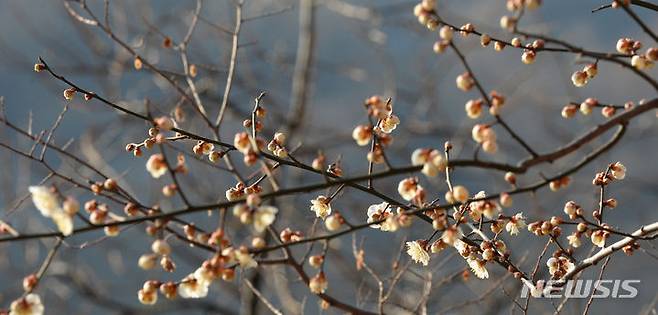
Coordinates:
<point>485,40</point>
<point>147,261</point>
<point>161,247</point>
<point>167,264</point>
<point>446,32</point>
<point>30,282</point>
<point>258,243</point>
<point>316,261</point>
<point>38,67</point>
<point>69,93</point>
<point>71,206</point>
<point>579,78</point>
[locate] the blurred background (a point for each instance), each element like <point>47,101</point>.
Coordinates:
<point>361,48</point>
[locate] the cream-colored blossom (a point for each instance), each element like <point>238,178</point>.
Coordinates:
<point>362,135</point>
<point>64,222</point>
<point>408,187</point>
<point>598,238</point>
<point>264,216</point>
<point>28,305</point>
<point>321,206</point>
<point>45,200</point>
<point>192,288</point>
<point>378,212</point>
<point>417,252</point>
<point>204,275</point>
<point>478,266</point>
<point>618,170</point>
<point>432,161</point>
<point>574,240</point>
<point>389,123</point>
<point>318,284</point>
<point>515,223</point>
<point>48,204</point>
<point>156,165</point>
<point>245,259</point>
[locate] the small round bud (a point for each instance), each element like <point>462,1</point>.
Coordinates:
<point>258,243</point>
<point>167,264</point>
<point>30,282</point>
<point>112,230</point>
<point>485,40</point>
<point>652,54</point>
<point>193,70</point>
<point>579,78</point>
<point>499,46</point>
<point>510,178</point>
<point>569,111</point>
<point>71,206</point>
<point>591,70</point>
<point>508,22</point>
<point>169,190</point>
<point>110,184</point>
<point>169,290</point>
<point>38,67</point>
<point>161,247</point>
<point>554,185</point>
<point>137,63</point>
<point>446,32</point>
<point>528,56</point>
<point>69,93</point>
<point>130,209</point>
<point>465,81</point>
<point>130,147</point>
<point>316,261</point>
<point>147,261</point>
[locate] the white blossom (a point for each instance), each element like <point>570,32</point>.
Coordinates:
<point>48,204</point>
<point>418,253</point>
<point>478,267</point>
<point>156,165</point>
<point>28,305</point>
<point>192,288</point>
<point>264,216</point>
<point>321,206</point>
<point>516,223</point>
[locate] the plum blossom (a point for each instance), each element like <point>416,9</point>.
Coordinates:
<point>28,305</point>
<point>574,240</point>
<point>618,170</point>
<point>362,135</point>
<point>245,259</point>
<point>156,165</point>
<point>48,204</point>
<point>478,266</point>
<point>416,250</point>
<point>432,161</point>
<point>318,284</point>
<point>389,123</point>
<point>193,288</point>
<point>558,266</point>
<point>321,206</point>
<point>515,223</point>
<point>378,212</point>
<point>264,216</point>
<point>408,188</point>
